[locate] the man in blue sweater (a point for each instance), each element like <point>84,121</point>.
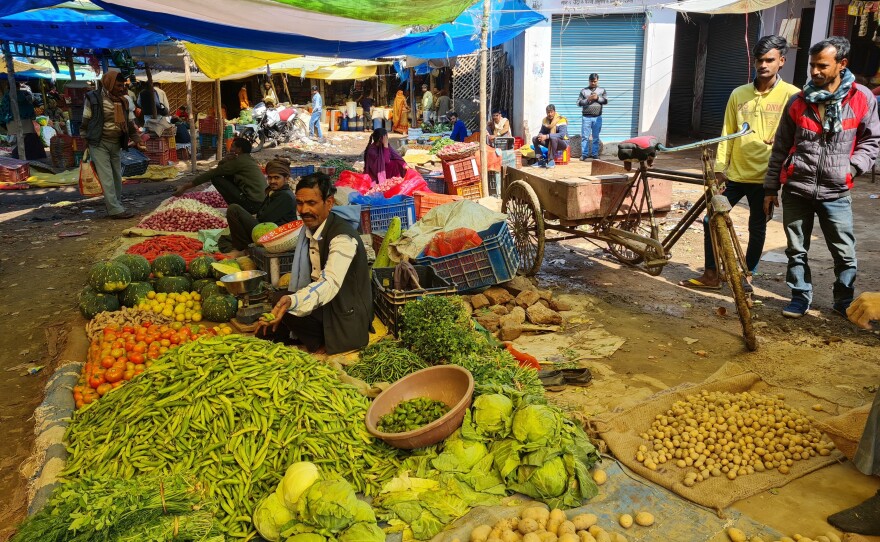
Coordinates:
<point>459,130</point>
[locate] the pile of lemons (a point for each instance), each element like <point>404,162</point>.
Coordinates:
<point>182,307</point>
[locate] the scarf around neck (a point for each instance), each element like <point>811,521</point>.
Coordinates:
<point>831,123</point>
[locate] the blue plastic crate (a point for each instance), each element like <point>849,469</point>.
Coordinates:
<point>493,262</point>
<point>208,140</point>
<point>436,184</point>
<point>381,215</point>
<point>134,163</point>
<point>301,171</point>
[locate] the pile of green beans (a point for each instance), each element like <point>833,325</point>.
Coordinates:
<point>412,414</point>
<point>234,411</point>
<point>386,361</point>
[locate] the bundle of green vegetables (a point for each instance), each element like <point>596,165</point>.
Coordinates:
<point>439,144</point>
<point>509,442</point>
<point>340,165</point>
<point>385,361</point>
<point>305,508</point>
<point>235,411</point>
<point>146,509</point>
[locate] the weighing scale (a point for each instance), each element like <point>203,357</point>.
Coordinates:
<point>251,288</point>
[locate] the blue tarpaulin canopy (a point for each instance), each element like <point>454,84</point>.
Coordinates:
<point>9,7</point>
<point>86,29</point>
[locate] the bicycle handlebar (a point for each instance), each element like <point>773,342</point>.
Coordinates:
<point>745,129</point>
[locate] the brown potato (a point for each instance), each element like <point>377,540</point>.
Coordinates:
<point>566,527</point>
<point>527,526</point>
<point>481,533</point>
<point>735,535</point>
<point>625,520</point>
<point>645,519</point>
<point>600,477</point>
<point>584,521</point>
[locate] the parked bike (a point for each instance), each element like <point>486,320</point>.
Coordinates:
<point>275,125</point>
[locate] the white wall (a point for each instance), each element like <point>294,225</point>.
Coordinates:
<point>532,75</point>
<point>657,73</point>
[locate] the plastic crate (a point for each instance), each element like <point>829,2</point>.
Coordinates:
<point>209,125</point>
<point>425,201</point>
<point>159,158</point>
<point>133,163</point>
<point>562,157</point>
<point>376,241</point>
<point>273,263</point>
<point>504,143</point>
<point>229,132</point>
<point>381,215</point>
<point>493,262</point>
<point>387,302</point>
<point>208,141</point>
<point>301,171</point>
<point>365,220</point>
<point>436,184</point>
<point>14,171</point>
<point>460,172</point>
<point>473,191</point>
<point>158,144</point>
<point>517,142</point>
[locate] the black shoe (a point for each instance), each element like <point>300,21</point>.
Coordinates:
<point>860,519</point>
<point>122,216</point>
<point>577,377</point>
<point>552,380</point>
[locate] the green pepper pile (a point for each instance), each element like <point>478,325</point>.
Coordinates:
<point>412,414</point>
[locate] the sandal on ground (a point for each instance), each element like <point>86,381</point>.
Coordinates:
<point>577,377</point>
<point>697,284</point>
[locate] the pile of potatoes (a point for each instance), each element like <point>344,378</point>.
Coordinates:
<point>736,535</point>
<point>730,434</point>
<point>537,524</point>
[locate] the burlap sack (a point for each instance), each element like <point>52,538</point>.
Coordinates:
<point>846,429</point>
<point>621,433</point>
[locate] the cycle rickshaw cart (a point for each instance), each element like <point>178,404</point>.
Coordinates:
<point>614,204</point>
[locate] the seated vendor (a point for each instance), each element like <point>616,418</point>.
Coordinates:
<point>459,130</point>
<point>237,177</point>
<point>331,303</point>
<point>181,134</point>
<point>553,135</point>
<point>500,127</point>
<point>381,161</point>
<point>278,207</point>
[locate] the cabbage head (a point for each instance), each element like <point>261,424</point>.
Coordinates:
<point>536,424</point>
<point>270,516</point>
<point>550,479</point>
<point>460,455</point>
<point>363,532</point>
<point>363,513</point>
<point>492,414</point>
<point>298,478</point>
<point>329,505</point>
<point>306,537</point>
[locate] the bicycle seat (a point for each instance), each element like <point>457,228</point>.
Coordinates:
<point>637,149</point>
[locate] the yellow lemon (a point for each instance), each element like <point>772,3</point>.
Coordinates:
<point>151,295</point>
<point>197,317</point>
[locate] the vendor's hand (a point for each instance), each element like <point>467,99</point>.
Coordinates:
<point>769,203</point>
<point>142,147</point>
<point>181,190</point>
<point>864,309</point>
<point>278,312</point>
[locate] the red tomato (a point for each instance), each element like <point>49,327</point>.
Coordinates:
<point>175,339</point>
<point>117,352</point>
<point>140,348</point>
<point>79,404</point>
<point>136,358</point>
<point>117,384</point>
<point>165,342</point>
<point>96,381</point>
<point>128,329</point>
<point>104,388</point>
<point>138,369</point>
<point>114,374</point>
<point>146,324</point>
<point>107,362</point>
<point>140,337</point>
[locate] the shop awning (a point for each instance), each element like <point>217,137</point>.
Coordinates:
<point>718,7</point>
<point>10,7</point>
<point>219,62</point>
<point>86,29</point>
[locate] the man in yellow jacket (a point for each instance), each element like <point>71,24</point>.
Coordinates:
<point>741,164</point>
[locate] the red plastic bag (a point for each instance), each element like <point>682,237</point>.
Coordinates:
<point>451,242</point>
<point>412,182</point>
<point>357,181</point>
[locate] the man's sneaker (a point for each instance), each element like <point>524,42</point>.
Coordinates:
<point>551,164</point>
<point>796,308</point>
<point>584,158</point>
<point>841,307</point>
<point>539,163</point>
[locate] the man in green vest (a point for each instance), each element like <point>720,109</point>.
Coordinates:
<point>237,177</point>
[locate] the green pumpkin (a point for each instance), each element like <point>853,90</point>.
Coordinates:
<point>260,230</point>
<point>219,308</point>
<point>200,268</point>
<point>174,285</point>
<point>169,265</point>
<point>137,264</point>
<point>212,289</point>
<point>135,293</point>
<point>197,285</point>
<point>225,267</point>
<point>93,302</point>
<point>109,277</point>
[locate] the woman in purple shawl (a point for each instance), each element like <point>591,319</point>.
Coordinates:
<point>381,161</point>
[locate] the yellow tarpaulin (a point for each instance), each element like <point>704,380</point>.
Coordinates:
<point>217,62</point>
<point>334,74</point>
<point>23,66</point>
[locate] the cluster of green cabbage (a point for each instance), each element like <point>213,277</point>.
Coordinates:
<point>305,508</point>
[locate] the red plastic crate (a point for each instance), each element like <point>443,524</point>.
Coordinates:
<point>517,142</point>
<point>562,157</point>
<point>209,125</point>
<point>159,158</point>
<point>365,220</point>
<point>159,144</point>
<point>14,171</point>
<point>473,191</point>
<point>460,172</point>
<point>425,201</point>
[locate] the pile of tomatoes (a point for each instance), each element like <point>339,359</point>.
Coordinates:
<point>121,353</point>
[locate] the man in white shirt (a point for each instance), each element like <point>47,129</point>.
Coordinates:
<point>331,303</point>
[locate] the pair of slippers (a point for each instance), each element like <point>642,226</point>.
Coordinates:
<point>556,380</point>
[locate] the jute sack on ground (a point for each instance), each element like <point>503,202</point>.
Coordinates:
<point>621,433</point>
<point>846,429</point>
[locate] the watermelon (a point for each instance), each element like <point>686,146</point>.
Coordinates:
<point>219,308</point>
<point>212,289</point>
<point>173,285</point>
<point>225,267</point>
<point>135,293</point>
<point>169,265</point>
<point>197,285</point>
<point>93,302</point>
<point>200,268</point>
<point>109,277</point>
<point>262,229</point>
<point>137,264</point>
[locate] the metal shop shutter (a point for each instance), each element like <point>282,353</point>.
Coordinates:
<point>610,46</point>
<point>728,65</point>
<point>681,93</point>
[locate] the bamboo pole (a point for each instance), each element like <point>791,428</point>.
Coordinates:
<point>70,65</point>
<point>484,71</point>
<point>13,102</point>
<point>412,98</point>
<point>189,107</point>
<point>220,120</point>
<point>286,89</point>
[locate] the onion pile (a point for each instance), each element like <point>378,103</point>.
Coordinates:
<point>182,220</point>
<point>211,198</point>
<point>384,186</point>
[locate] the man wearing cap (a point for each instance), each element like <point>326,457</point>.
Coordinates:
<point>317,109</point>
<point>591,101</point>
<point>427,104</point>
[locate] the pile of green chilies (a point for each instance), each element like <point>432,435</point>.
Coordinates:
<point>236,412</point>
<point>385,361</point>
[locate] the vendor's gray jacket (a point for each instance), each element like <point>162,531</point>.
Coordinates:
<point>594,108</point>
<point>819,166</point>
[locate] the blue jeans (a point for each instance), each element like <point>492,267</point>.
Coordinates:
<point>590,127</point>
<point>836,221</point>
<point>754,194</point>
<point>315,124</point>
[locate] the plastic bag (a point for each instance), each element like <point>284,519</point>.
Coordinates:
<point>89,185</point>
<point>412,182</point>
<point>374,200</point>
<point>358,181</point>
<point>452,242</point>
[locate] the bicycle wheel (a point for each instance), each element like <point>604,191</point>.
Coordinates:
<point>526,221</point>
<point>300,130</point>
<point>632,218</point>
<point>729,266</point>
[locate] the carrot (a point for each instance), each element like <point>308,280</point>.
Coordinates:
<point>525,360</point>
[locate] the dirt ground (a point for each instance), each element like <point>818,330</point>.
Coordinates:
<point>667,334</point>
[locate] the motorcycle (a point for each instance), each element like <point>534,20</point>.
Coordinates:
<point>277,125</point>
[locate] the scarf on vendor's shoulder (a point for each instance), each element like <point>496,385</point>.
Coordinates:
<point>831,100</point>
<point>556,121</point>
<point>108,82</point>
